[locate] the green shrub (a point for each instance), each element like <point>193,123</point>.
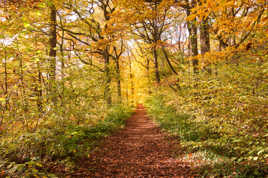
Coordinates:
<point>19,151</point>
<point>246,153</point>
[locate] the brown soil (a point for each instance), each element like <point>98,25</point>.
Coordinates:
<point>141,149</point>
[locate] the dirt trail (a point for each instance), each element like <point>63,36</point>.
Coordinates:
<point>138,150</point>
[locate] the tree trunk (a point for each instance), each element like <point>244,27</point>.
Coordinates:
<point>205,41</point>
<point>157,75</point>
<point>118,80</point>
<point>168,61</point>
<point>131,83</point>
<point>148,76</point>
<point>52,52</point>
<point>192,29</point>
<point>179,44</point>
<point>62,68</point>
<point>205,37</point>
<point>6,84</point>
<point>107,90</point>
<point>24,102</point>
<point>40,92</point>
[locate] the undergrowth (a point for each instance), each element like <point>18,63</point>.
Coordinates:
<point>29,154</point>
<point>230,155</point>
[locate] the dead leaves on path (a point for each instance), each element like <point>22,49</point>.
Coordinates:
<point>139,150</point>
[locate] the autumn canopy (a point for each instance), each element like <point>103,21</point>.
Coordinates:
<point>72,71</point>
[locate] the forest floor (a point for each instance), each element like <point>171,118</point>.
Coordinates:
<point>141,149</point>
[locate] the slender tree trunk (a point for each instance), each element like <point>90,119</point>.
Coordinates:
<point>6,78</point>
<point>107,90</point>
<point>148,76</point>
<point>157,75</point>
<point>40,91</point>
<point>189,64</point>
<point>168,61</point>
<point>205,41</point>
<point>22,87</point>
<point>118,79</point>
<point>127,87</point>
<point>205,37</point>
<point>24,104</point>
<point>194,47</point>
<point>179,45</point>
<point>62,68</point>
<point>156,37</point>
<point>192,29</point>
<point>132,89</point>
<point>52,52</point>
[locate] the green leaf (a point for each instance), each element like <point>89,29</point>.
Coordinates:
<point>26,25</point>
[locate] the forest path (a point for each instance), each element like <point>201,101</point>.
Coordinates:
<point>138,150</point>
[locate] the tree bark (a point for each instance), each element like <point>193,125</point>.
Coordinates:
<point>62,68</point>
<point>157,75</point>
<point>6,84</point>
<point>119,94</point>
<point>107,90</point>
<point>179,44</point>
<point>132,89</point>
<point>205,41</point>
<point>40,92</point>
<point>52,52</point>
<point>148,76</point>
<point>168,61</point>
<point>192,29</point>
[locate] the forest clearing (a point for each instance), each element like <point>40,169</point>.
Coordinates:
<point>133,88</point>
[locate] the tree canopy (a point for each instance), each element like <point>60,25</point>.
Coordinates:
<point>65,65</point>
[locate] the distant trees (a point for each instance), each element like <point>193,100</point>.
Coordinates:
<point>148,21</point>
<point>48,42</point>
